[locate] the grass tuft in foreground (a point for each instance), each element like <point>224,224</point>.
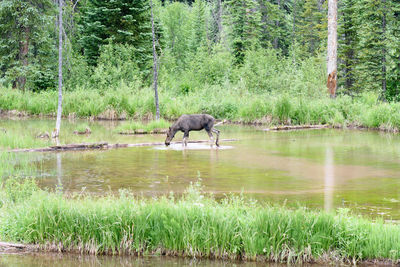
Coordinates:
<point>194,225</point>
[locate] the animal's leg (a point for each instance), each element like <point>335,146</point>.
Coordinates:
<point>211,137</point>
<point>217,133</point>
<point>185,138</point>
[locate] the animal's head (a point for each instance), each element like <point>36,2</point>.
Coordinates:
<point>170,135</point>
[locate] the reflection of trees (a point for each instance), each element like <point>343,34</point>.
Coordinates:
<point>329,180</point>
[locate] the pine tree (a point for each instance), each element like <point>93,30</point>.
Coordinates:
<point>276,24</point>
<point>26,43</point>
<point>368,74</point>
<point>216,21</point>
<point>312,25</point>
<point>393,50</point>
<point>348,40</point>
<point>123,21</point>
<point>245,21</point>
<point>199,24</point>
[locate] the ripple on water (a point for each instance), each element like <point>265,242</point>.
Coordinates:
<point>192,146</point>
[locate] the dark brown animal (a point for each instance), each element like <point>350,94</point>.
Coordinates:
<point>195,122</point>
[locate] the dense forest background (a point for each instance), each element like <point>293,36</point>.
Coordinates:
<point>247,46</point>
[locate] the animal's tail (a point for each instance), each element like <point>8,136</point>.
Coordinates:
<point>221,122</point>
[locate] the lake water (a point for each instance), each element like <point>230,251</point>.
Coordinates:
<point>322,169</point>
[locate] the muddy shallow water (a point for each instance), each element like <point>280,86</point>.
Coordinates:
<point>324,168</point>
<point>67,260</point>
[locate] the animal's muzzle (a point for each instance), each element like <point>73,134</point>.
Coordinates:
<point>167,143</point>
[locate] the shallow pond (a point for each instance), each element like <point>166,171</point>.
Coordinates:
<point>323,168</point>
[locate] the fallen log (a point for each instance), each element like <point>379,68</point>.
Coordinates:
<point>296,127</point>
<point>104,145</point>
<point>83,146</point>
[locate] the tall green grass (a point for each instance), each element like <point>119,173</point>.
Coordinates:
<point>11,140</point>
<point>145,127</point>
<point>15,165</point>
<point>16,172</point>
<point>195,225</point>
<point>229,102</point>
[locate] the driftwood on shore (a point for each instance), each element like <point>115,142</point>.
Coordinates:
<point>296,127</point>
<point>102,145</point>
<point>6,247</point>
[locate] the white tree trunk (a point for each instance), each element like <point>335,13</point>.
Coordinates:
<point>154,63</point>
<point>60,59</point>
<point>332,47</point>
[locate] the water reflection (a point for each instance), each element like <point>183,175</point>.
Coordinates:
<point>329,179</point>
<point>59,186</point>
<point>67,260</point>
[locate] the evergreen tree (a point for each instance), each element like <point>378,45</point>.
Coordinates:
<point>312,25</point>
<point>276,24</point>
<point>368,74</point>
<point>245,20</point>
<point>216,21</point>
<point>348,40</point>
<point>123,21</point>
<point>199,24</point>
<point>27,46</point>
<point>393,51</point>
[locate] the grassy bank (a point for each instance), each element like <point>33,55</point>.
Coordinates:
<point>140,127</point>
<point>194,225</point>
<point>233,104</point>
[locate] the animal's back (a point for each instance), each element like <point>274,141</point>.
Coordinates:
<point>196,121</point>
<point>204,117</point>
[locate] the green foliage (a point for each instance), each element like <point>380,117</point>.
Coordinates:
<point>312,25</point>
<point>147,127</point>
<point>283,108</point>
<point>222,101</point>
<point>195,225</point>
<point>116,65</point>
<point>257,46</point>
<point>393,51</point>
<point>175,20</point>
<point>199,24</point>
<point>122,21</point>
<point>347,44</point>
<point>18,190</point>
<point>244,18</point>
<point>26,44</point>
<point>368,71</point>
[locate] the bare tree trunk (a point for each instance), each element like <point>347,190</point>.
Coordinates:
<point>154,63</point>
<point>60,60</point>
<point>332,47</point>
